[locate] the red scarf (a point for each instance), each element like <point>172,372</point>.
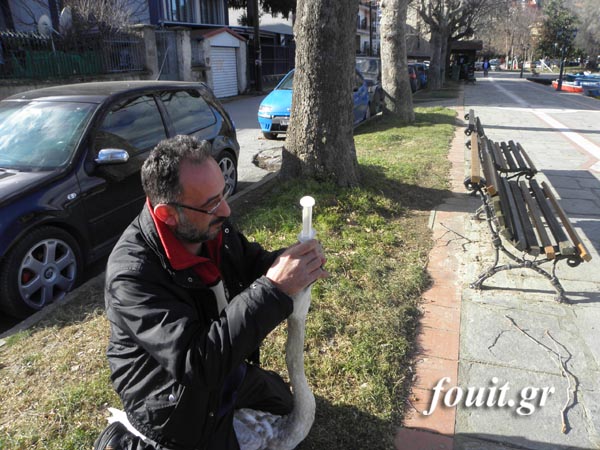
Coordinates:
<point>179,258</point>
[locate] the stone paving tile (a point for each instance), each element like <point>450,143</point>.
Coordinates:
<point>419,440</point>
<point>441,317</point>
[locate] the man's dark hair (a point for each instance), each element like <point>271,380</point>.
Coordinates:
<point>160,172</point>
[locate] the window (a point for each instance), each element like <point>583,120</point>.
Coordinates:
<point>358,81</point>
<point>179,10</point>
<point>188,111</point>
<point>212,12</point>
<point>41,135</point>
<point>195,11</point>
<point>135,125</point>
<point>198,58</point>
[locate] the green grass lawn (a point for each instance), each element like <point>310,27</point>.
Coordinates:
<point>54,379</point>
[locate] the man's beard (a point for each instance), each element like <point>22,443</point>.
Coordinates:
<point>187,231</point>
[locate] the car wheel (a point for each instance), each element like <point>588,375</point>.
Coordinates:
<point>40,269</point>
<point>373,106</point>
<point>269,136</point>
<point>228,166</point>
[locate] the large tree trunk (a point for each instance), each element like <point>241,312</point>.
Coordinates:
<point>394,77</point>
<point>444,58</point>
<point>320,142</point>
<point>435,79</point>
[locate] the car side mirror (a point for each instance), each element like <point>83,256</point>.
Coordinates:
<point>108,156</point>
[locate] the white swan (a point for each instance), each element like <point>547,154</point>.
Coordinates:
<point>258,430</point>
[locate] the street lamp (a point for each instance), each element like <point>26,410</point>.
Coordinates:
<point>371,28</point>
<point>257,50</point>
<point>525,50</point>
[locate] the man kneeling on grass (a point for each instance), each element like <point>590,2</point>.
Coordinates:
<point>189,301</point>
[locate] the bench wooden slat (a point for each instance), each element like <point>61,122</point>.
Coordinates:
<point>508,157</point>
<point>498,156</point>
<point>582,250</point>
<point>479,127</point>
<point>536,217</point>
<point>503,211</point>
<point>533,246</point>
<point>475,164</point>
<point>528,159</point>
<point>490,174</point>
<point>518,232</point>
<point>561,238</point>
<point>515,151</point>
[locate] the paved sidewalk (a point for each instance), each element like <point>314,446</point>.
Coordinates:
<point>513,341</point>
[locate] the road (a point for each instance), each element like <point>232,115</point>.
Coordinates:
<point>534,113</point>
<point>243,111</point>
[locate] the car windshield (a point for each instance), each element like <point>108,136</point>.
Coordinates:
<point>40,135</point>
<point>287,82</point>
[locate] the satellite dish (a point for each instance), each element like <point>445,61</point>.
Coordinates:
<point>65,21</point>
<point>44,26</point>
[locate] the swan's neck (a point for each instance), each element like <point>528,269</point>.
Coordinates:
<point>258,430</point>
<point>298,423</point>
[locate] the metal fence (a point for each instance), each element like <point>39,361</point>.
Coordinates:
<point>31,56</point>
<point>277,60</point>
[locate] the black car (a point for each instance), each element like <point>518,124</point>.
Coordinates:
<point>370,68</point>
<point>70,159</point>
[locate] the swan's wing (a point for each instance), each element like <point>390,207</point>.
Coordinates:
<point>255,429</point>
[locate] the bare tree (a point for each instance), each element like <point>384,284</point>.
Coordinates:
<point>104,15</point>
<point>450,20</point>
<point>395,82</point>
<point>438,15</point>
<point>588,36</point>
<point>320,142</point>
<point>99,15</point>
<point>507,29</point>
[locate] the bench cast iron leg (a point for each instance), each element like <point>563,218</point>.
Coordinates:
<point>520,262</point>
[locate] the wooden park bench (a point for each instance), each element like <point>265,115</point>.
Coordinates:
<point>508,158</point>
<point>522,213</point>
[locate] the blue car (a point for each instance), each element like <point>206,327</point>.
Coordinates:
<point>274,111</point>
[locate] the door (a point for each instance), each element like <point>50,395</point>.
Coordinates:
<point>166,51</point>
<point>224,71</point>
<point>113,193</point>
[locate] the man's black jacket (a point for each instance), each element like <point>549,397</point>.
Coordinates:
<point>170,351</point>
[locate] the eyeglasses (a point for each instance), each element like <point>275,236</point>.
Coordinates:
<point>211,211</point>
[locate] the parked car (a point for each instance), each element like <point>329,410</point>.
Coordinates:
<point>414,79</point>
<point>478,65</point>
<point>274,110</point>
<point>370,68</point>
<point>494,64</point>
<point>70,159</point>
